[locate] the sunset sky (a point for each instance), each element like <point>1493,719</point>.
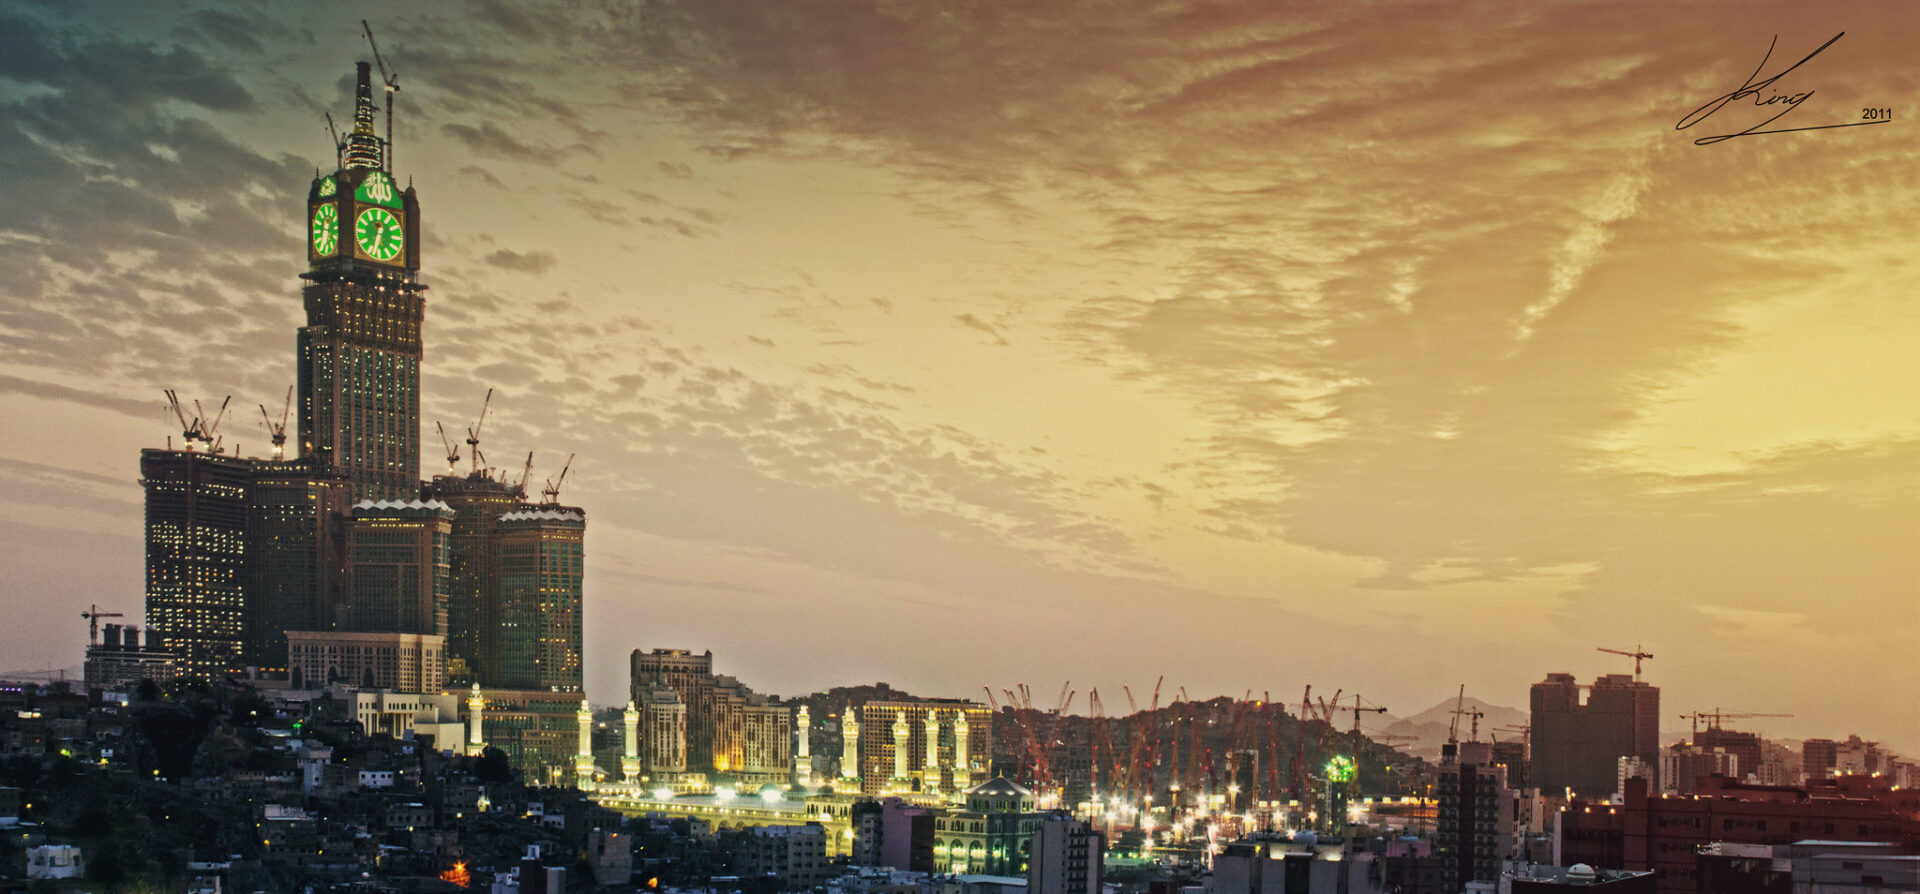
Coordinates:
<point>1379,347</point>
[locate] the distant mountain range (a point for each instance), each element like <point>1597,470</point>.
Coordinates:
<point>1430,726</point>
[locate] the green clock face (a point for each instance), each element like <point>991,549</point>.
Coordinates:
<point>326,229</point>
<point>378,234</point>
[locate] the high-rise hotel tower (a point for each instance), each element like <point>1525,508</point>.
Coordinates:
<point>360,352</point>
<point>336,562</point>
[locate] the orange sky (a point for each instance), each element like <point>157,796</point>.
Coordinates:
<point>1378,347</point>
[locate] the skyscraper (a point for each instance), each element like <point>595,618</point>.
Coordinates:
<point>381,577</point>
<point>473,600</point>
<point>293,555</point>
<point>360,352</point>
<point>196,533</point>
<point>1577,744</point>
<point>539,584</point>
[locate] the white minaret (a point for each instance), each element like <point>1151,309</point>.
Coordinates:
<point>930,768</point>
<point>962,769</point>
<point>630,759</point>
<point>583,761</point>
<point>850,746</point>
<point>901,759</point>
<point>476,709</point>
<point>803,752</point>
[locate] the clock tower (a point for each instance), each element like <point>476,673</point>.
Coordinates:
<point>360,352</point>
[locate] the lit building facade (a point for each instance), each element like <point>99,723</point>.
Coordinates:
<point>473,593</point>
<point>404,662</point>
<point>293,550</point>
<point>890,763</point>
<point>196,535</point>
<point>397,572</point>
<point>360,352</point>
<point>539,631</point>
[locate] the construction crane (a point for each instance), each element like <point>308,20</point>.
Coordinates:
<point>210,432</point>
<point>392,80</point>
<point>1460,710</point>
<point>93,616</point>
<point>1358,707</point>
<point>524,472</point>
<point>279,432</point>
<point>1637,655</point>
<point>1525,730</point>
<point>473,434</point>
<point>453,452</point>
<point>339,145</point>
<point>1716,715</point>
<point>552,490</point>
<point>198,429</point>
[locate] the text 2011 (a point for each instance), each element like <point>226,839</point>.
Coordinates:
<point>1876,114</point>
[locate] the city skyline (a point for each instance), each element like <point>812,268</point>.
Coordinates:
<point>1380,350</point>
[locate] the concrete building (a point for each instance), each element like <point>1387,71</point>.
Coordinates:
<point>752,737</point>
<point>405,715</point>
<point>1577,743</point>
<point>54,861</point>
<point>397,571</point>
<point>537,730</point>
<point>890,832</point>
<point>196,536</point>
<point>1818,758</point>
<point>119,660</point>
<point>473,593</point>
<point>992,833</point>
<point>732,736</point>
<point>1665,833</point>
<point>403,662</point>
<point>690,677</point>
<point>1682,766</point>
<point>960,746</point>
<point>663,735</point>
<point>1278,866</point>
<point>1065,857</point>
<point>539,632</point>
<point>293,551</point>
<point>796,855</point>
<point>1478,825</point>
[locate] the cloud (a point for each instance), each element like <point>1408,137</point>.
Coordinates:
<point>535,262</point>
<point>975,323</point>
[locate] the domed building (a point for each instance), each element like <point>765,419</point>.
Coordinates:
<point>990,835</point>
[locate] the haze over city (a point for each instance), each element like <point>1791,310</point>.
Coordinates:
<point>1383,348</point>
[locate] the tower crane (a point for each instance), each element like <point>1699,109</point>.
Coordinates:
<point>552,490</point>
<point>189,431</point>
<point>1358,707</point>
<point>524,472</point>
<point>453,453</point>
<point>209,432</point>
<point>1460,710</point>
<point>473,434</point>
<point>1638,654</point>
<point>279,432</point>
<point>392,80</point>
<point>93,615</point>
<point>1716,715</point>
<point>339,145</point>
